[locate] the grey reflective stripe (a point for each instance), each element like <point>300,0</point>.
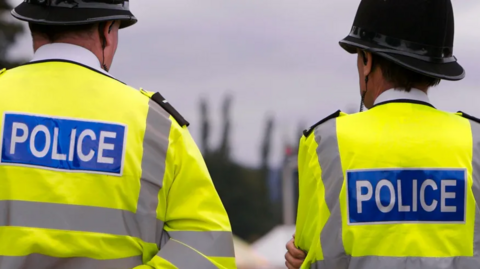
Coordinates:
<point>476,186</point>
<point>213,244</point>
<point>184,257</point>
<point>155,146</point>
<point>38,261</point>
<point>375,262</point>
<point>71,218</point>
<point>332,178</point>
<point>164,239</point>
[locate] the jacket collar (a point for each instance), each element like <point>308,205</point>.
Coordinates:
<point>397,96</point>
<point>70,53</point>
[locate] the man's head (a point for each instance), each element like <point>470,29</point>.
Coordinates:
<point>100,38</point>
<point>92,24</point>
<point>384,74</point>
<point>403,44</point>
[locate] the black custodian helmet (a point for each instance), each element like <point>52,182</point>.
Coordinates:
<point>415,34</point>
<point>74,12</point>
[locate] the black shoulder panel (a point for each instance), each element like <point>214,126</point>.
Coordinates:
<point>159,99</point>
<point>472,118</point>
<point>332,116</point>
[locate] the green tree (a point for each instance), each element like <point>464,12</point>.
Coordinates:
<point>8,34</point>
<point>267,142</point>
<point>225,144</point>
<point>243,190</point>
<point>205,121</point>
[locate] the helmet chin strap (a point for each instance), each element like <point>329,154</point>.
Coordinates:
<point>364,93</point>
<point>104,65</point>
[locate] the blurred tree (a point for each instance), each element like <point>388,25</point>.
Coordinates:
<point>242,189</point>
<point>267,141</point>
<point>8,32</point>
<point>205,126</point>
<point>225,146</point>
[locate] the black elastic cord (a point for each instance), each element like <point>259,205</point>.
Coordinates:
<point>363,94</point>
<point>104,41</point>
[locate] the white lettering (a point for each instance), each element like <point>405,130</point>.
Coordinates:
<point>18,139</point>
<point>73,135</point>
<point>36,130</point>
<point>389,185</point>
<point>105,146</point>
<point>89,156</point>
<point>414,196</point>
<point>55,154</point>
<point>431,183</point>
<point>363,197</point>
<point>447,195</point>
<point>401,207</point>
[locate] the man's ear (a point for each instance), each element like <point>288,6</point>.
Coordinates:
<point>367,63</point>
<point>108,27</point>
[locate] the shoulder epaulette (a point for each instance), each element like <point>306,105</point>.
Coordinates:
<point>337,114</point>
<point>159,99</point>
<point>465,115</point>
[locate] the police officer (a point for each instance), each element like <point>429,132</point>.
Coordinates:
<point>396,186</point>
<point>93,173</point>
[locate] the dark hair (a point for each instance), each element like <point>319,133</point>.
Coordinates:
<point>400,77</point>
<point>55,32</point>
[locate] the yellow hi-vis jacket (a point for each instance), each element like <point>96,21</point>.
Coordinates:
<point>97,175</point>
<point>394,187</point>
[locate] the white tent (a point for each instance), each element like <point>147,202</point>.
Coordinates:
<point>272,245</point>
<point>246,257</point>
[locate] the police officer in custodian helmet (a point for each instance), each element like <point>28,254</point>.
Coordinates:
<point>397,186</point>
<point>93,173</point>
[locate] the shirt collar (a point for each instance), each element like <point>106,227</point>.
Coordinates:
<point>68,52</point>
<point>392,94</point>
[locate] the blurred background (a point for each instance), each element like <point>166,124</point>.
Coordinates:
<point>250,76</point>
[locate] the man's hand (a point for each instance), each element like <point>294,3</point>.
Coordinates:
<point>294,257</point>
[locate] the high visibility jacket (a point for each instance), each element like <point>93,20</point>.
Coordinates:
<point>393,187</point>
<point>97,175</point>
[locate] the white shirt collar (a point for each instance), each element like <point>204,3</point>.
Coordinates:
<point>392,94</point>
<point>68,52</point>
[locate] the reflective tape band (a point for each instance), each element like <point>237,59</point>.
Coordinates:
<point>184,257</point>
<point>74,218</point>
<point>39,261</point>
<point>213,244</point>
<point>164,239</point>
<point>374,262</point>
<point>332,178</point>
<point>111,5</point>
<point>476,185</point>
<point>155,147</point>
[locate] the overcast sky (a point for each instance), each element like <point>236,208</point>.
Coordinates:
<point>275,56</point>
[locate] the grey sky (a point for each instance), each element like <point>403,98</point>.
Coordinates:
<point>274,56</point>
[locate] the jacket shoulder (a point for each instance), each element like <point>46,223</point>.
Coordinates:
<point>3,71</point>
<point>157,98</point>
<point>334,115</point>
<point>467,116</point>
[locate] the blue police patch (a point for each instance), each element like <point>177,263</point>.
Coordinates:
<point>406,195</point>
<point>63,144</point>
